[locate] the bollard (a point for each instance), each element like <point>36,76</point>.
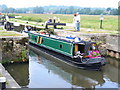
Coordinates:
<point>2,83</point>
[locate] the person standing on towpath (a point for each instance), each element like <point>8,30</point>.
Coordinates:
<point>76,21</point>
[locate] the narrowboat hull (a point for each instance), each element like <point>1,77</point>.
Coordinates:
<point>69,60</point>
<point>86,63</point>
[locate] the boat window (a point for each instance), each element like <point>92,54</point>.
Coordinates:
<point>42,40</point>
<point>81,48</point>
<point>35,39</point>
<point>60,46</point>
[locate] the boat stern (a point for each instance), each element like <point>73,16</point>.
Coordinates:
<point>101,60</point>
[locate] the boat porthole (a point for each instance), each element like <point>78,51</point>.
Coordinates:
<point>60,46</point>
<point>42,40</point>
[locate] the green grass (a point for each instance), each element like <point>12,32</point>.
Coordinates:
<point>87,21</point>
<point>9,33</point>
<point>30,18</point>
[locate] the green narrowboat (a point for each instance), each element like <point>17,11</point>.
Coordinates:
<point>76,52</point>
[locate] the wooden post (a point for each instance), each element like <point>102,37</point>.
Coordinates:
<point>101,24</point>
<point>55,26</point>
<point>101,19</point>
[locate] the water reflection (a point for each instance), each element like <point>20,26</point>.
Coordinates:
<point>112,70</point>
<point>45,71</point>
<point>20,72</point>
<point>54,74</point>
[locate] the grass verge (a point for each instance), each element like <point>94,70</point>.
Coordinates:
<point>9,33</point>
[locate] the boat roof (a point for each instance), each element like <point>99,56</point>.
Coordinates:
<point>86,43</point>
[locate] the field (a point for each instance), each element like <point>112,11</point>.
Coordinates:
<point>87,21</point>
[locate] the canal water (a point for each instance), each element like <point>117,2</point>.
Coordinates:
<point>44,71</point>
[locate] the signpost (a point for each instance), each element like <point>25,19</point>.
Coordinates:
<point>101,19</point>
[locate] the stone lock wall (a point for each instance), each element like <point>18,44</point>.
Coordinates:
<point>113,45</point>
<point>13,50</point>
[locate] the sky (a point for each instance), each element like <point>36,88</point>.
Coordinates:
<point>81,3</point>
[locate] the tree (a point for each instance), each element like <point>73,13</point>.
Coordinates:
<point>61,10</point>
<point>3,6</point>
<point>11,10</point>
<point>84,11</point>
<point>119,10</point>
<point>97,12</point>
<point>20,10</point>
<point>38,10</point>
<point>108,9</point>
<point>114,12</point>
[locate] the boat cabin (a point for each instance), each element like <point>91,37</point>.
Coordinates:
<point>86,50</point>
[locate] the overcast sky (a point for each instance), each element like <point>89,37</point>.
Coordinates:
<point>81,3</point>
